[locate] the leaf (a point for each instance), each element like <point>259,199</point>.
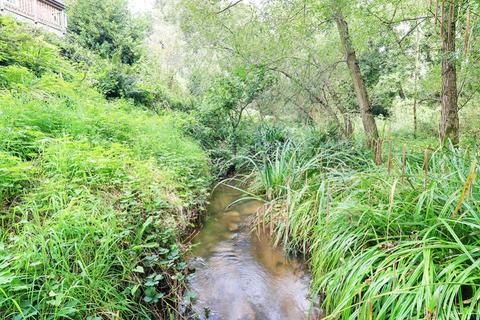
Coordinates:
<point>181,266</point>
<point>139,269</point>
<point>145,246</point>
<point>134,289</point>
<point>55,302</point>
<point>5,279</point>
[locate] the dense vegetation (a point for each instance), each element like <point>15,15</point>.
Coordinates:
<point>371,169</point>
<point>95,194</point>
<point>385,242</point>
<point>355,121</point>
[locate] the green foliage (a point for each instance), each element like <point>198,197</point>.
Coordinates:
<point>116,80</point>
<point>94,193</point>
<point>107,27</point>
<point>266,138</point>
<point>107,40</point>
<point>381,245</point>
<point>220,125</point>
<point>28,48</point>
<point>14,176</point>
<point>237,90</point>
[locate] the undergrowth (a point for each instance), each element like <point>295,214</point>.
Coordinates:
<point>94,193</point>
<point>396,241</point>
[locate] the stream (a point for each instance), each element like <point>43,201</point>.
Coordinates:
<point>238,274</point>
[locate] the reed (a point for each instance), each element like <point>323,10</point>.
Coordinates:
<point>380,245</point>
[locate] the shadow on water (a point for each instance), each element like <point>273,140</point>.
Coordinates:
<point>239,276</point>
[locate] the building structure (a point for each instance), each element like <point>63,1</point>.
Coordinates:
<point>47,14</point>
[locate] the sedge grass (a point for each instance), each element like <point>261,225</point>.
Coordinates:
<point>380,245</point>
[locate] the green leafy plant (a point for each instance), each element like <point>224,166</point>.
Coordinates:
<point>95,193</point>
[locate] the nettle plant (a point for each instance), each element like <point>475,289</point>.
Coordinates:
<point>161,266</point>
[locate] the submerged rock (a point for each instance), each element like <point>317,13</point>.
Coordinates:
<point>233,214</point>
<point>233,227</point>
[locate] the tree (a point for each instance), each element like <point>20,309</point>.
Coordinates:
<point>229,98</point>
<point>390,51</point>
<point>368,120</point>
<point>107,27</point>
<point>449,122</point>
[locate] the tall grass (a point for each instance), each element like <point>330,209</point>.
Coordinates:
<point>94,194</point>
<point>381,245</point>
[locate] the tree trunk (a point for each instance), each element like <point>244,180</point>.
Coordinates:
<point>347,122</point>
<point>326,105</point>
<point>361,91</point>
<point>336,120</point>
<point>415,83</point>
<point>449,122</point>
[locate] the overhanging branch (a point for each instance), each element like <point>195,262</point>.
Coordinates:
<point>229,6</point>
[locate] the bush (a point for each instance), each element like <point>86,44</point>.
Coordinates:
<point>27,48</point>
<point>107,28</point>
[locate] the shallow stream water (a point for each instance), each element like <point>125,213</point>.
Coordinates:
<point>239,276</point>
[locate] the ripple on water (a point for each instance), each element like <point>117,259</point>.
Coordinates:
<point>239,276</point>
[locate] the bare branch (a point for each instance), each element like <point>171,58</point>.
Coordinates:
<point>229,6</point>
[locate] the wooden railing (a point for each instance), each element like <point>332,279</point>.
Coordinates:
<point>39,12</point>
<point>22,7</point>
<point>50,15</point>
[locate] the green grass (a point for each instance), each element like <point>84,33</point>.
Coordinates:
<point>380,245</point>
<point>95,194</point>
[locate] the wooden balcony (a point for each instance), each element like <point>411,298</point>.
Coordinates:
<point>49,14</point>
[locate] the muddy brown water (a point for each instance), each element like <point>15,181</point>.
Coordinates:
<point>238,274</point>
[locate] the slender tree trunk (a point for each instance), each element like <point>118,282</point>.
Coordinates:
<point>449,122</point>
<point>401,92</point>
<point>347,122</point>
<point>415,121</point>
<point>368,120</point>
<point>415,83</point>
<point>333,114</point>
<point>324,101</point>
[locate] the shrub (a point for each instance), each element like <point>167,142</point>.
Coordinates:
<point>27,47</point>
<point>108,28</point>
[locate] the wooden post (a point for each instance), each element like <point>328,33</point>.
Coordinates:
<point>425,166</point>
<point>35,11</point>
<point>378,152</point>
<point>390,157</point>
<point>64,21</point>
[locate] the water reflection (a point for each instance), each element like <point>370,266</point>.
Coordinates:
<point>239,276</point>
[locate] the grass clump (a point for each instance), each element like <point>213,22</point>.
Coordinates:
<point>381,244</point>
<point>94,193</point>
